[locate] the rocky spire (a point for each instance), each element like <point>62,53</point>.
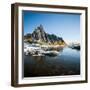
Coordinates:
<point>40,35</point>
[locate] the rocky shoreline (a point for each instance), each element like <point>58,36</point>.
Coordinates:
<point>42,50</point>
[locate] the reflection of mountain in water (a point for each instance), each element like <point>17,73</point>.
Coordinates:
<point>67,62</point>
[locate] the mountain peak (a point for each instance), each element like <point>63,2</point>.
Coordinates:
<point>39,28</point>
<point>39,35</point>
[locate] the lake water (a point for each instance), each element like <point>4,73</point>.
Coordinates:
<point>66,63</point>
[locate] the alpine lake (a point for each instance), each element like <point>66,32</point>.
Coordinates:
<point>66,62</point>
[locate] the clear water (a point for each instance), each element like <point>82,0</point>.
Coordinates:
<point>66,63</point>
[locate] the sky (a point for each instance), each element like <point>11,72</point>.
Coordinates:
<point>64,25</point>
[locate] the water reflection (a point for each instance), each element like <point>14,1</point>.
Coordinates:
<point>66,63</point>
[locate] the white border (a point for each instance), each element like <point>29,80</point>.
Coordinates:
<point>53,78</point>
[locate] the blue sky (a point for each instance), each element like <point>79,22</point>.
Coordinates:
<point>64,25</point>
